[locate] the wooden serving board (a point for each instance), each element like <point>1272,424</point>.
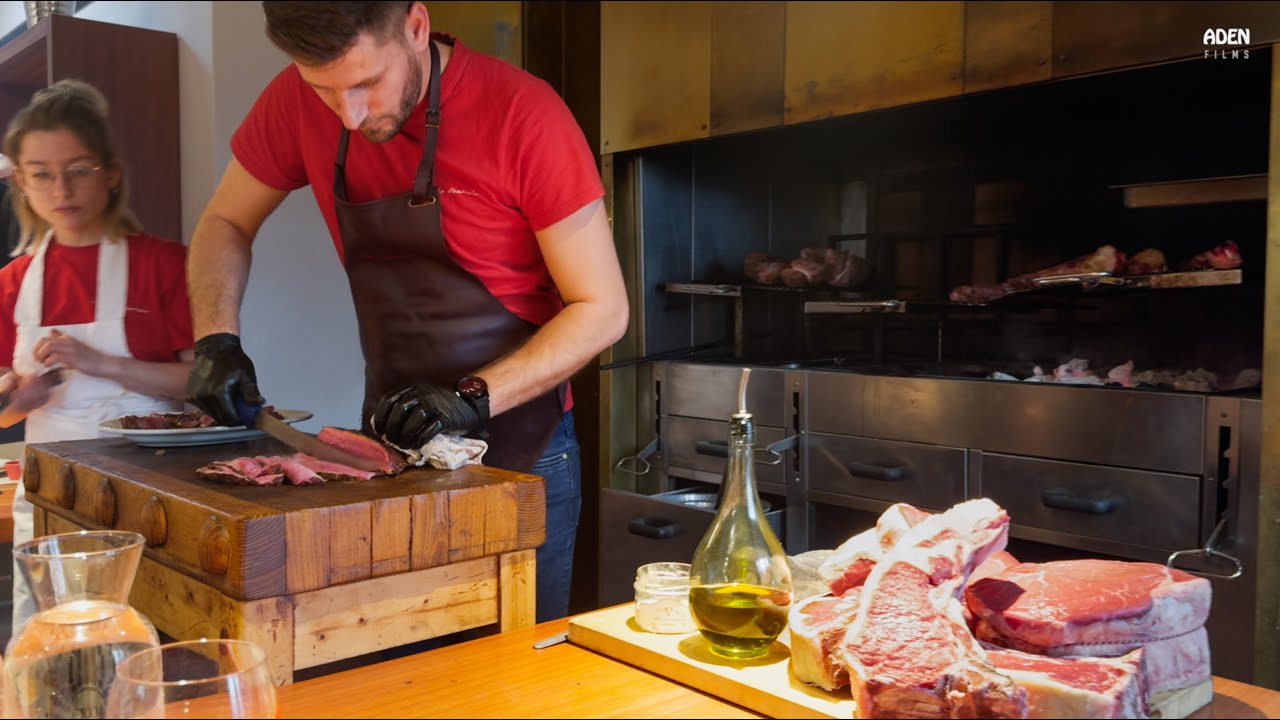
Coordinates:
<point>764,685</point>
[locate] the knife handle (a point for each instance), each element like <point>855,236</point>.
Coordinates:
<point>245,412</point>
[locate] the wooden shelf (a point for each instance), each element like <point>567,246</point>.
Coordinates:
<point>136,69</point>
<point>1204,191</point>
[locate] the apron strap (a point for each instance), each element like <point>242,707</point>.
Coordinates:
<point>424,188</point>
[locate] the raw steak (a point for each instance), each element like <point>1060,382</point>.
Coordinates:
<point>1037,604</point>
<point>1034,607</point>
<point>1223,257</point>
<point>1077,687</point>
<point>1171,664</point>
<point>389,458</point>
<point>1104,259</point>
<point>817,625</point>
<point>908,650</point>
<point>852,562</point>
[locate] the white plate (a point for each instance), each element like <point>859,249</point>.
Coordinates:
<point>187,437</point>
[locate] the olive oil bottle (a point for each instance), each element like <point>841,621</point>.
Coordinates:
<point>739,581</point>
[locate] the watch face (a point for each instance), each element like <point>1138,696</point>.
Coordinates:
<point>473,387</point>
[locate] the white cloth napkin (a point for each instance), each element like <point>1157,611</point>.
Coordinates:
<point>447,452</point>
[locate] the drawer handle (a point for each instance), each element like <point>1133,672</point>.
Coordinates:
<point>655,528</point>
<point>1064,500</point>
<point>714,448</point>
<point>894,473</point>
<point>720,449</point>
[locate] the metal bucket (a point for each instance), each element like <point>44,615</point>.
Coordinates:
<point>704,501</point>
<point>38,10</point>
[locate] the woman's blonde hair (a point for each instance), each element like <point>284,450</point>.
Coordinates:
<point>79,107</point>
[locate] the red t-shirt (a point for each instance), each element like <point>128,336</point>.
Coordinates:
<point>157,319</point>
<point>510,160</point>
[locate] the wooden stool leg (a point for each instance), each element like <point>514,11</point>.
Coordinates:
<point>517,584</point>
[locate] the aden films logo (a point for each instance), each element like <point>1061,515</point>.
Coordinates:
<point>1226,43</point>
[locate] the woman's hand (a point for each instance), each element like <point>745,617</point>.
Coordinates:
<point>22,394</point>
<point>59,349</point>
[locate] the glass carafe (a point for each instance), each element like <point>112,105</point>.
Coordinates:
<point>739,582</point>
<point>60,663</point>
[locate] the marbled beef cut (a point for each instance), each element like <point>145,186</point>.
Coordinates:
<point>1037,603</point>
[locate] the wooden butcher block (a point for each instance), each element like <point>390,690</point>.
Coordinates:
<point>254,542</point>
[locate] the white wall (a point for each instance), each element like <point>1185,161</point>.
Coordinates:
<point>298,325</point>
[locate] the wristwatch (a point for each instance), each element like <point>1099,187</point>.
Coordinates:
<point>475,391</point>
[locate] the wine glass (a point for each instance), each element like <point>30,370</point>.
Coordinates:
<point>194,679</point>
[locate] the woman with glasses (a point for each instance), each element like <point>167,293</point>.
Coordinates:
<point>94,317</point>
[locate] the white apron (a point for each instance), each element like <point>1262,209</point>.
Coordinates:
<point>81,402</point>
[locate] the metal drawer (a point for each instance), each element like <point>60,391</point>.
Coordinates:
<point>711,391</point>
<point>1083,504</point>
<point>697,450</point>
<point>640,529</point>
<point>928,476</point>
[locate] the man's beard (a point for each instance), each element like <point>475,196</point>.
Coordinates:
<point>382,132</point>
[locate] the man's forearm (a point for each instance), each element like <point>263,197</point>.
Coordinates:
<point>217,272</point>
<point>166,380</point>
<point>552,355</point>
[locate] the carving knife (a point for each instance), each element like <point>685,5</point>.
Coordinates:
<point>310,444</point>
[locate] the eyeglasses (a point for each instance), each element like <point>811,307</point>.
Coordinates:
<point>44,180</point>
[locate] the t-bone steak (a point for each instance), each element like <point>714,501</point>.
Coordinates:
<point>909,651</point>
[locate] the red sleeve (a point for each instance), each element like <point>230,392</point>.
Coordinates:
<point>172,271</point>
<point>266,143</point>
<point>554,168</point>
<point>10,281</point>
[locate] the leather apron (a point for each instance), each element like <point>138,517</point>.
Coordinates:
<point>422,317</point>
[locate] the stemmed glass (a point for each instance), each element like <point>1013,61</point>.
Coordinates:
<point>194,679</point>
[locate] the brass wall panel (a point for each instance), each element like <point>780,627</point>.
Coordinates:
<point>655,73</point>
<point>847,57</point>
<point>1095,36</point>
<point>748,51</point>
<point>486,26</point>
<point>1267,651</point>
<point>1006,44</point>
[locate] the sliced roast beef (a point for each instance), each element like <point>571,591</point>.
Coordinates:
<point>296,469</point>
<point>176,421</point>
<point>245,471</point>
<point>389,458</point>
<point>167,421</point>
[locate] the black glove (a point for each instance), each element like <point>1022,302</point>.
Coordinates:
<point>223,382</point>
<point>409,418</point>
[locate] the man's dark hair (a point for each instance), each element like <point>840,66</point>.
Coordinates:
<point>318,33</point>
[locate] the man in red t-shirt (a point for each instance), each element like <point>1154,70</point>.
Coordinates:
<point>467,209</point>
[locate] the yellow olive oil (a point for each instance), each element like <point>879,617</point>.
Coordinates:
<point>739,620</point>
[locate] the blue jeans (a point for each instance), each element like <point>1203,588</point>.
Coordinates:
<point>561,467</point>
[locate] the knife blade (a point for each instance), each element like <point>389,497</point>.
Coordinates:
<point>311,445</point>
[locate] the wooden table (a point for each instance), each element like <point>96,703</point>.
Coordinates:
<point>503,676</point>
<point>316,573</point>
